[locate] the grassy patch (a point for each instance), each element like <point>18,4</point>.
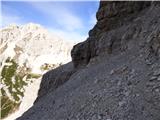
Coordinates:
<point>15,83</point>
<point>8,75</point>
<point>15,78</point>
<point>47,66</point>
<point>7,106</point>
<point>32,75</point>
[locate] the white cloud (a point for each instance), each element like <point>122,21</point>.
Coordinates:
<point>60,15</point>
<point>6,18</point>
<point>69,36</point>
<point>69,23</point>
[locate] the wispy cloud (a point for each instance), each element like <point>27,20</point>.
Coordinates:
<point>69,36</point>
<point>60,15</point>
<point>69,24</point>
<point>6,18</point>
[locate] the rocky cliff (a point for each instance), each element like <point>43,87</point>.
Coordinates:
<point>114,74</point>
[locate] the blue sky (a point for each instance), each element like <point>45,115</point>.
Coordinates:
<point>72,19</point>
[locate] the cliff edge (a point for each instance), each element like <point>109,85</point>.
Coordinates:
<point>114,74</point>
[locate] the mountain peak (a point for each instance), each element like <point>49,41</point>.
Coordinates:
<point>32,26</point>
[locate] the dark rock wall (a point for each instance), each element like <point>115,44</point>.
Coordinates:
<point>104,38</point>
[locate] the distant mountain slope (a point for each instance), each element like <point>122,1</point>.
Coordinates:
<point>26,52</point>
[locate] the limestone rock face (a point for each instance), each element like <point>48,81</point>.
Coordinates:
<point>115,74</point>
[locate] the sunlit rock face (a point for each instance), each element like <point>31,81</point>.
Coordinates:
<point>27,52</point>
<point>114,74</point>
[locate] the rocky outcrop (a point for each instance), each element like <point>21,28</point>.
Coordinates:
<point>54,78</point>
<point>128,17</point>
<point>116,70</point>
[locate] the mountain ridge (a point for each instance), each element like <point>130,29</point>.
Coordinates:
<point>33,32</point>
<point>27,52</point>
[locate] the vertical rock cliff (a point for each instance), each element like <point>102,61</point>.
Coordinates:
<point>114,74</point>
